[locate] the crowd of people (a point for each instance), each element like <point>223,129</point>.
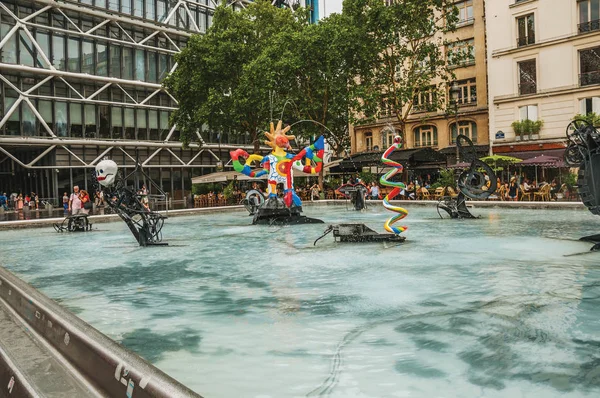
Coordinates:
<point>19,201</point>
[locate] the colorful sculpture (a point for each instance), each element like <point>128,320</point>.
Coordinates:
<point>398,186</point>
<point>279,164</point>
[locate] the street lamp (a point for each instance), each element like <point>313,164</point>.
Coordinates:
<point>454,93</point>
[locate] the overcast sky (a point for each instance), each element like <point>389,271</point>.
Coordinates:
<point>331,6</point>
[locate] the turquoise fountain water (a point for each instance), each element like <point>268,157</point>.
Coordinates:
<point>487,307</point>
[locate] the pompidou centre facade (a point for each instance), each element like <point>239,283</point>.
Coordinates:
<point>81,80</point>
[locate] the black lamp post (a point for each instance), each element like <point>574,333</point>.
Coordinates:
<point>455,92</point>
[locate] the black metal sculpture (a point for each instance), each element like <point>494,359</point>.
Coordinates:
<point>74,223</point>
<point>143,223</point>
<point>472,182</point>
<point>356,193</point>
<point>583,151</point>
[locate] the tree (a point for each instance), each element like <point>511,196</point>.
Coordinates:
<point>405,65</point>
<point>221,81</point>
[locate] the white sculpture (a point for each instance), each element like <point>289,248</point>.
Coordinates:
<point>106,172</point>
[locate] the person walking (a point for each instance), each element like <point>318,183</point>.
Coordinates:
<point>3,200</point>
<point>66,202</point>
<point>74,201</point>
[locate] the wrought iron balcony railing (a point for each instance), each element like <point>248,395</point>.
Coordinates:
<point>589,78</point>
<point>589,26</point>
<point>527,88</point>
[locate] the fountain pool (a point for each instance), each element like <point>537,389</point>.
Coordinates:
<point>473,308</point>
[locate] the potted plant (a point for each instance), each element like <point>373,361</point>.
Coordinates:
<point>535,129</point>
<point>527,128</point>
<point>592,118</point>
<point>517,127</point>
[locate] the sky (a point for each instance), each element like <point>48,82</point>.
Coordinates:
<point>331,6</point>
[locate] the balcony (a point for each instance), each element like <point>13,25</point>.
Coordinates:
<point>589,78</point>
<point>588,26</point>
<point>527,88</point>
<point>525,40</point>
<point>472,102</point>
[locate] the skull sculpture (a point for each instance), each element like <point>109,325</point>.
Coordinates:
<point>106,172</point>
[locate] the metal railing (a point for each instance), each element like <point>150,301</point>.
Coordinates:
<point>525,40</point>
<point>589,26</point>
<point>527,88</point>
<point>589,78</point>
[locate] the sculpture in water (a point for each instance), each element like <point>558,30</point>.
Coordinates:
<point>398,186</point>
<point>583,151</point>
<point>279,167</point>
<point>143,223</point>
<point>472,182</point>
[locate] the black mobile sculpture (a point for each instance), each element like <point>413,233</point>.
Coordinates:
<point>356,193</point>
<point>471,182</point>
<point>143,223</point>
<point>74,223</point>
<point>583,151</point>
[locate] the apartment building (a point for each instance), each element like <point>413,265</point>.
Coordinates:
<point>467,109</point>
<point>543,65</point>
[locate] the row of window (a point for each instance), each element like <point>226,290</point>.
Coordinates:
<point>589,68</point>
<point>586,106</point>
<point>156,11</point>
<point>76,120</point>
<point>427,135</point>
<point>73,90</point>
<point>589,20</point>
<point>95,57</point>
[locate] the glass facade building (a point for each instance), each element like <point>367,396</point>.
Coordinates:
<point>81,80</point>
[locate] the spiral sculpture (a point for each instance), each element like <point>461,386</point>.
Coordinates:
<point>397,168</point>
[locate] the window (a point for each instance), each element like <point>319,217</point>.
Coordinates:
<point>425,101</point>
<point>75,120</point>
<point>129,124</point>
<point>101,59</point>
<point>589,105</point>
<point>426,136</point>
<point>369,141</point>
<point>164,125</point>
<point>140,64</point>
<point>465,128</point>
<point>153,125</point>
<point>527,77</point>
<point>87,55</point>
<point>461,53</point>
<point>161,10</point>
<point>28,121</point>
<point>26,52</point>
<point>465,12</point>
<point>90,120</point>
<point>528,112</point>
<point>163,66</point>
<point>589,64</point>
<point>467,94</point>
<point>115,61</point>
<point>126,6</point>
<point>60,119</point>
<point>387,139</point>
<point>589,15</point>
<point>526,30</point>
<point>116,121</point>
<point>74,55</point>
<point>58,52</point>
<point>128,63</point>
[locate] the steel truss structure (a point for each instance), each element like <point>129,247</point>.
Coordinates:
<point>80,80</point>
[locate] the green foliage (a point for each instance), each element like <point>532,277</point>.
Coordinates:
<point>527,126</point>
<point>367,177</point>
<point>447,179</point>
<point>401,53</point>
<point>221,82</point>
<point>592,118</point>
<point>263,63</point>
<point>570,179</point>
<point>228,191</point>
<point>203,189</point>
